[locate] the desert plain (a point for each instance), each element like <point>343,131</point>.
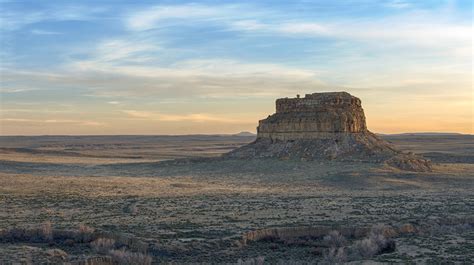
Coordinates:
<point>168,199</point>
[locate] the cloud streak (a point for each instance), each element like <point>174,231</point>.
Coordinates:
<point>12,19</point>
<point>417,30</point>
<point>151,17</point>
<point>44,32</point>
<point>6,121</point>
<point>437,28</point>
<point>194,117</point>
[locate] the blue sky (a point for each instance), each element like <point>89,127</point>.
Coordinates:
<point>178,67</point>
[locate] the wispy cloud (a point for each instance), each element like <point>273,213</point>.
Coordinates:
<point>248,25</point>
<point>399,4</point>
<point>204,77</point>
<point>11,90</point>
<point>307,28</point>
<point>436,30</point>
<point>197,117</point>
<point>50,121</point>
<point>124,82</point>
<point>123,50</point>
<point>16,19</point>
<point>151,17</point>
<point>44,32</point>
<point>193,117</point>
<point>418,30</point>
<point>139,114</point>
<point>10,20</point>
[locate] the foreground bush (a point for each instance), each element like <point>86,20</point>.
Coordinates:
<point>117,248</point>
<point>47,231</point>
<point>41,234</point>
<point>335,255</point>
<point>103,245</point>
<point>124,257</point>
<point>335,240</point>
<point>251,261</point>
<point>375,243</point>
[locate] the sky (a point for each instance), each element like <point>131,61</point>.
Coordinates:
<point>212,67</point>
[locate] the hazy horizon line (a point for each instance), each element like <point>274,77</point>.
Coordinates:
<point>209,134</point>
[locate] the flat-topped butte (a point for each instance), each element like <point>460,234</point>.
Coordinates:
<point>315,116</point>
<point>324,126</point>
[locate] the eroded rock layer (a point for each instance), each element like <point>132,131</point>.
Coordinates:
<point>316,116</point>
<point>324,126</point>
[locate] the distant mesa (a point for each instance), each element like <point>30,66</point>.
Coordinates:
<point>427,134</point>
<point>324,126</point>
<point>245,134</point>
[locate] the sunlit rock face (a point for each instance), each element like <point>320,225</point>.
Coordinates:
<point>316,116</point>
<point>323,126</point>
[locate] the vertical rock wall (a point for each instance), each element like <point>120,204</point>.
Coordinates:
<point>315,116</point>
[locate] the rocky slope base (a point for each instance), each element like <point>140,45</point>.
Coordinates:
<point>346,147</point>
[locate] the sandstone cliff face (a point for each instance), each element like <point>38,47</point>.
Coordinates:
<point>324,126</point>
<point>316,116</point>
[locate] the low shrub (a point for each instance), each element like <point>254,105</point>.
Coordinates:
<point>407,229</point>
<point>252,261</point>
<point>47,231</point>
<point>41,234</point>
<point>334,255</point>
<point>366,248</point>
<point>57,253</point>
<point>375,243</point>
<point>335,240</point>
<point>124,257</point>
<point>103,245</point>
<point>85,234</point>
<point>99,241</point>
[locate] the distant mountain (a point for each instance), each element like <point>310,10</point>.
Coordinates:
<point>245,134</point>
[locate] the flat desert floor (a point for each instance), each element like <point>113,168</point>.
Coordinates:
<point>123,199</point>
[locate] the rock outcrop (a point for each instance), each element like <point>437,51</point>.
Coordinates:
<point>324,126</point>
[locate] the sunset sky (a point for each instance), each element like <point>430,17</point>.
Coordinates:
<point>179,67</point>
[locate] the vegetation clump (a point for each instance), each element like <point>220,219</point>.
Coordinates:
<point>115,248</point>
